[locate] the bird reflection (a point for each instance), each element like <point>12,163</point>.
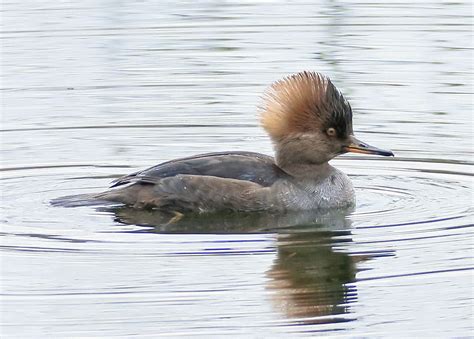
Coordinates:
<point>308,279</point>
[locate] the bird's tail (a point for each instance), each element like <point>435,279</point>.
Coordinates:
<point>91,199</point>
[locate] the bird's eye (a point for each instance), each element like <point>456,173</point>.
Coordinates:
<point>331,132</point>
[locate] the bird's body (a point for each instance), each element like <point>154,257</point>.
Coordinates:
<point>242,181</point>
<point>309,122</point>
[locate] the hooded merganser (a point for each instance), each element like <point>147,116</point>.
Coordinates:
<point>309,122</point>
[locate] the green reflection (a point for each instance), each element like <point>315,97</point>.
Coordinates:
<point>309,276</point>
<point>308,279</point>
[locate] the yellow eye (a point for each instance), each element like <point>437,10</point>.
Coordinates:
<point>331,132</point>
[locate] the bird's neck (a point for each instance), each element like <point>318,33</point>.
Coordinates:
<point>301,158</point>
<point>305,170</point>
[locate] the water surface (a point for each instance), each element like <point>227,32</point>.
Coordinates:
<point>93,90</point>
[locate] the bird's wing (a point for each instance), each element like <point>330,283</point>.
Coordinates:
<point>246,166</point>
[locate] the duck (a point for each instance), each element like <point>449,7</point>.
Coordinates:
<point>309,123</point>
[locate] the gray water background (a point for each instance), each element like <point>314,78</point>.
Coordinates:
<point>92,90</point>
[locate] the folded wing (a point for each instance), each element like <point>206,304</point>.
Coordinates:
<point>247,166</point>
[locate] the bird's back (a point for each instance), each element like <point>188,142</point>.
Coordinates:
<point>247,166</point>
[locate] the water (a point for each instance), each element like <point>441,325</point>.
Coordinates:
<point>93,90</point>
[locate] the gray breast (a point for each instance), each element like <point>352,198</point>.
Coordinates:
<point>332,191</point>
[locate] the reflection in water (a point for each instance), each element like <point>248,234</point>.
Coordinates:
<point>230,222</point>
<point>308,278</point>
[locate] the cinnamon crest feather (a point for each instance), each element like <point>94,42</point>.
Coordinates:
<point>303,103</point>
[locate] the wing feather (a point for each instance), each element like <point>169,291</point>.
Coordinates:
<point>253,167</point>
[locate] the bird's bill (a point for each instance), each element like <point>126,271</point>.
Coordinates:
<point>357,146</point>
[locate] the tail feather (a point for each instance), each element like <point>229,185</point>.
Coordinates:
<point>78,200</point>
<point>129,195</point>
